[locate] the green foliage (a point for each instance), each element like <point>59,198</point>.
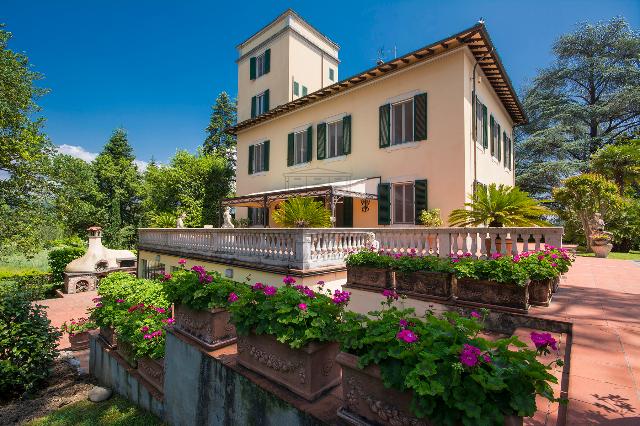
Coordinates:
<point>143,327</point>
<point>27,343</point>
<point>36,285</point>
<point>218,141</point>
<point>501,269</point>
<point>499,205</point>
<point>539,269</point>
<point>430,218</point>
<point>369,258</point>
<point>294,315</point>
<point>412,263</point>
<point>625,225</point>
<point>76,326</point>
<point>584,100</point>
<point>302,212</point>
<point>193,184</point>
<point>444,389</point>
<point>197,292</point>
<point>164,220</point>
<point>620,163</point>
<point>60,257</point>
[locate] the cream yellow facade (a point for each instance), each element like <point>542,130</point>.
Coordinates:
<point>449,159</point>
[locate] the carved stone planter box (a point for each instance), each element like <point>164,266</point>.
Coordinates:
<point>367,401</point>
<point>540,292</point>
<point>485,292</point>
<point>79,341</point>
<point>555,284</point>
<point>308,372</point>
<point>437,285</point>
<point>152,370</point>
<point>125,350</point>
<point>370,278</point>
<point>211,329</point>
<point>109,336</point>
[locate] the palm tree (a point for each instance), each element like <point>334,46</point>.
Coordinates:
<point>302,212</point>
<point>500,205</point>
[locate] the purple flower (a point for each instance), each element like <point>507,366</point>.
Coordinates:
<point>487,358</point>
<point>258,286</point>
<point>469,355</point>
<point>144,329</point>
<point>340,297</point>
<point>119,300</point>
<point>160,310</point>
<point>182,261</point>
<point>96,299</point>
<point>390,294</point>
<point>148,336</point>
<point>320,283</point>
<point>496,256</point>
<point>98,305</point>
<point>169,321</point>
<point>403,323</point>
<point>309,293</point>
<point>232,297</point>
<point>199,270</point>
<point>302,306</point>
<point>474,314</point>
<point>406,336</point>
<point>270,290</point>
<point>542,340</point>
<point>288,280</point>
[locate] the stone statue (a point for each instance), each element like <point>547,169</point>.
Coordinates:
<point>180,221</point>
<point>371,241</point>
<point>596,223</point>
<point>227,224</point>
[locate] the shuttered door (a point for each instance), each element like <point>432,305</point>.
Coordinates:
<point>346,134</point>
<point>290,152</point>
<point>384,204</point>
<point>385,123</point>
<point>420,198</point>
<point>347,208</point>
<point>420,117</point>
<point>321,141</point>
<point>251,152</point>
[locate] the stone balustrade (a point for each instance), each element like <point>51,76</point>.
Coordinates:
<point>312,248</point>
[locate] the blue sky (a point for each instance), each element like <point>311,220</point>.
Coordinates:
<point>156,66</point>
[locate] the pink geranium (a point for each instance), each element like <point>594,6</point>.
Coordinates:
<point>407,336</point>
<point>302,306</point>
<point>232,297</point>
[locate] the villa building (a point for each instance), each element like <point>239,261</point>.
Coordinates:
<point>414,133</point>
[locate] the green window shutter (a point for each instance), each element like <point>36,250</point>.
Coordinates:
<point>498,145</point>
<point>296,88</point>
<point>485,139</point>
<point>491,127</point>
<point>384,204</point>
<point>253,107</point>
<point>346,134</point>
<point>304,90</point>
<point>420,197</point>
<point>347,209</point>
<point>505,148</point>
<point>385,123</point>
<point>251,151</point>
<point>252,68</point>
<point>265,155</point>
<point>321,141</point>
<point>267,61</point>
<point>420,117</point>
<point>309,143</point>
<point>265,100</point>
<point>290,152</point>
<point>250,215</point>
<point>331,74</point>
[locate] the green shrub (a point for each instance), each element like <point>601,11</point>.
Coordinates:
<point>59,258</point>
<point>36,285</point>
<point>412,263</point>
<point>368,258</point>
<point>142,327</point>
<point>430,218</point>
<point>498,268</point>
<point>27,343</point>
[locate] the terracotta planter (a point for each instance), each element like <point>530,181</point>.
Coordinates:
<point>540,292</point>
<point>601,251</point>
<point>308,372</point>
<point>508,242</point>
<point>109,336</point>
<point>367,401</point>
<point>125,350</point>
<point>437,285</point>
<point>211,329</point>
<point>485,292</point>
<point>152,370</point>
<point>370,278</point>
<point>79,341</point>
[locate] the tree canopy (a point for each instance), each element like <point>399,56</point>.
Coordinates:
<point>218,141</point>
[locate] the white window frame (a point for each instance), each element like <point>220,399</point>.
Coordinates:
<point>260,109</point>
<point>404,138</point>
<point>394,214</point>
<point>258,157</point>
<point>337,141</point>
<point>260,63</point>
<point>300,147</point>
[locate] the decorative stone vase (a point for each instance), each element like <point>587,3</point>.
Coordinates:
<point>602,251</point>
<point>369,278</point>
<point>211,329</point>
<point>125,350</point>
<point>152,370</point>
<point>436,285</point>
<point>79,341</point>
<point>485,292</point>
<point>540,292</point>
<point>367,401</point>
<point>109,336</point>
<point>308,372</point>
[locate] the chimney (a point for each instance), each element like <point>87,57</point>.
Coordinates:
<point>95,237</point>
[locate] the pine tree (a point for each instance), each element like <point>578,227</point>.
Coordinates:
<point>223,116</point>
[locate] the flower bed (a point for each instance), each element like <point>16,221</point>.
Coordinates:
<point>369,269</point>
<point>399,368</point>
<point>423,276</point>
<point>201,301</point>
<point>78,330</point>
<point>288,334</point>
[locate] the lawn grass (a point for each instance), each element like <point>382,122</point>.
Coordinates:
<point>16,263</point>
<point>632,255</point>
<point>116,411</point>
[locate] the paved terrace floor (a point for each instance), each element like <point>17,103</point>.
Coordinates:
<point>602,299</point>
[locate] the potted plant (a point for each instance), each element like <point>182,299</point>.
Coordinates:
<point>369,269</point>
<point>423,276</point>
<point>201,300</point>
<point>561,259</point>
<point>401,369</point>
<point>542,275</point>
<point>601,243</point>
<point>78,330</point>
<point>499,206</point>
<point>288,335</point>
<point>431,219</point>
<point>141,336</point>
<point>498,281</point>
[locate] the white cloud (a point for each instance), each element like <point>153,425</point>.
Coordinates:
<point>83,154</point>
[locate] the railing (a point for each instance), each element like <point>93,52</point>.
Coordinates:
<point>310,248</point>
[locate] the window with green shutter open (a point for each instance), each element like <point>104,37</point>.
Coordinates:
<point>296,88</point>
<point>299,150</point>
<point>260,65</point>
<point>259,157</point>
<point>403,203</point>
